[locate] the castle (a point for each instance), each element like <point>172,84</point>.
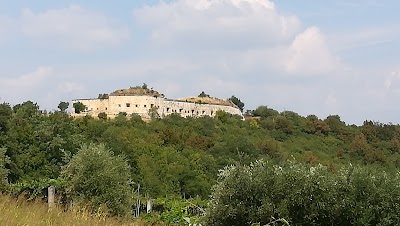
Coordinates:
<point>147,102</point>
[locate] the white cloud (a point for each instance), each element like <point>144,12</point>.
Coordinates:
<point>21,88</point>
<point>72,27</point>
<point>238,36</point>
<point>215,24</point>
<point>309,54</point>
<point>26,81</point>
<point>71,87</point>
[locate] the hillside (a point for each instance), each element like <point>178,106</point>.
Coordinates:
<point>179,157</point>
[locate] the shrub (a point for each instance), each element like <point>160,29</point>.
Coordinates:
<point>304,195</point>
<point>3,170</point>
<point>94,176</point>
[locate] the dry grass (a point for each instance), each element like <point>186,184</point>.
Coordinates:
<point>136,91</point>
<point>19,212</point>
<point>208,100</point>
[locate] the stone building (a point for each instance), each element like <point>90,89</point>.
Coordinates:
<point>145,102</point>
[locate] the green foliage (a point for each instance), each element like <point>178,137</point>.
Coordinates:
<point>102,115</point>
<point>175,210</point>
<point>264,112</point>
<point>63,106</point>
<point>5,114</point>
<point>103,96</point>
<point>79,107</point>
<point>95,176</point>
<point>3,170</point>
<point>35,189</point>
<point>153,113</point>
<point>237,102</point>
<point>182,156</point>
<point>203,94</point>
<point>144,86</point>
<point>304,195</point>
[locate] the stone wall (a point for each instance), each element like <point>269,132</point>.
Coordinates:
<point>142,104</point>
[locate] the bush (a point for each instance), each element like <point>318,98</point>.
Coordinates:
<point>3,170</point>
<point>304,195</point>
<point>94,176</point>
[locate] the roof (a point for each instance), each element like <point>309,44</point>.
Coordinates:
<point>135,91</point>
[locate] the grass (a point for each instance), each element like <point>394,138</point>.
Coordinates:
<point>20,212</point>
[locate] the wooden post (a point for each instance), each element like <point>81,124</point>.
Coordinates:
<point>50,196</point>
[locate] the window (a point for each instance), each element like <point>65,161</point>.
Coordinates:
<point>137,106</point>
<point>204,112</point>
<point>212,112</point>
<point>106,109</point>
<point>119,105</point>
<point>180,110</point>
<point>145,106</point>
<point>167,109</point>
<point>192,111</point>
<point>152,105</point>
<point>128,105</point>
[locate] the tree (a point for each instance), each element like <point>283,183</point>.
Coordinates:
<point>94,176</point>
<point>264,112</point>
<point>63,106</point>
<point>153,113</point>
<point>102,115</point>
<point>5,115</point>
<point>203,94</point>
<point>3,170</point>
<point>79,107</point>
<point>144,86</point>
<point>237,102</point>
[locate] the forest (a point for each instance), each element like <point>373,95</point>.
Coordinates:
<point>274,168</point>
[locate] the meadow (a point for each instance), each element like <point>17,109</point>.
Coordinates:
<point>16,211</point>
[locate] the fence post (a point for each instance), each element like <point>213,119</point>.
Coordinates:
<point>50,196</point>
<point>149,205</point>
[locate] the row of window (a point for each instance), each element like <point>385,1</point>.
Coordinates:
<point>182,111</point>
<point>168,109</point>
<point>128,105</point>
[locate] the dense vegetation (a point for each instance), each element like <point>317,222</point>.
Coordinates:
<point>181,157</point>
<point>305,195</point>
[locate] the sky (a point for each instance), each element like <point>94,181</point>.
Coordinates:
<point>333,57</point>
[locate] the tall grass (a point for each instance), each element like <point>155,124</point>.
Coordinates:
<point>20,212</point>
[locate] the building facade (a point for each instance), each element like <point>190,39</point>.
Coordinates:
<point>131,102</point>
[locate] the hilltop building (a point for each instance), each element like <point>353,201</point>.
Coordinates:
<point>144,102</point>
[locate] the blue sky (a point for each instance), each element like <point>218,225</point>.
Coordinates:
<point>312,57</point>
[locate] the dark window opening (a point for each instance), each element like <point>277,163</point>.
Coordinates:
<point>128,105</point>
